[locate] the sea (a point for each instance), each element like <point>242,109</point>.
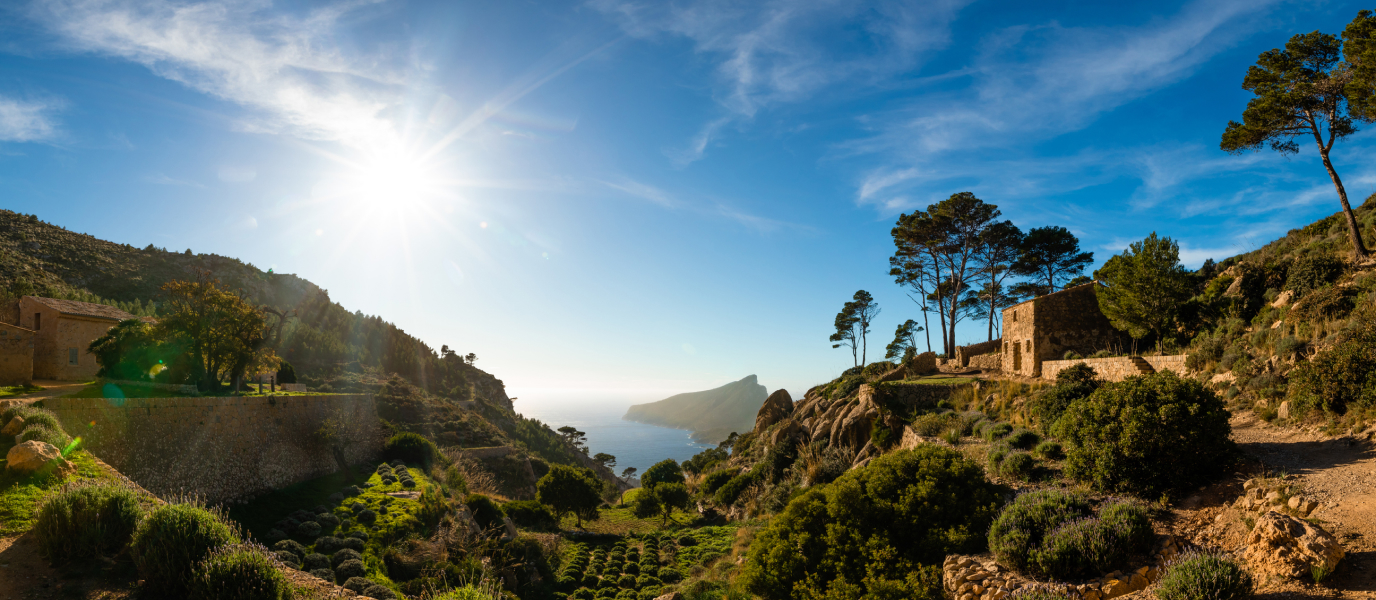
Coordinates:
<point>598,414</point>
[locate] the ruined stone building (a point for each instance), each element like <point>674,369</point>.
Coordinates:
<point>1046,327</point>
<point>51,338</point>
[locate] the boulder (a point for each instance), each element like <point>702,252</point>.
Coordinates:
<point>34,456</point>
<point>1283,299</point>
<point>853,432</point>
<point>788,432</point>
<point>1286,547</point>
<point>1283,411</point>
<point>777,407</point>
<point>15,426</point>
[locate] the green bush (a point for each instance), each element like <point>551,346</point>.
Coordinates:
<point>714,480</point>
<point>1146,434</point>
<point>1342,377</point>
<point>531,515</point>
<point>728,493</point>
<point>43,433</point>
<point>350,568</point>
<point>931,425</point>
<point>1072,383</point>
<point>881,530</point>
<point>240,572</point>
<point>1050,450</point>
<point>996,431</point>
<point>1042,592</point>
<point>1022,439</point>
<point>32,416</point>
<point>486,512</point>
<point>411,448</point>
<point>86,520</point>
<point>1018,466</point>
<point>172,540</point>
<point>1199,575</point>
<point>1053,533</point>
<point>1313,272</point>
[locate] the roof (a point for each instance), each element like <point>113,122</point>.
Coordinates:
<point>84,309</point>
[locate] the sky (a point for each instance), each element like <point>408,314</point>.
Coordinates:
<point>641,198</point>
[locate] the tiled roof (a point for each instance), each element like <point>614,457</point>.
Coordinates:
<point>84,309</point>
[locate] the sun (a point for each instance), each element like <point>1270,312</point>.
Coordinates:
<point>395,178</point>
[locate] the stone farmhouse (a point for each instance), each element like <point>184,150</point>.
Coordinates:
<point>50,339</point>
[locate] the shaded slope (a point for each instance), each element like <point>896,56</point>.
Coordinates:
<point>711,415</point>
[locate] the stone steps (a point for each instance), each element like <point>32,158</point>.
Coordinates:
<point>1143,367</point>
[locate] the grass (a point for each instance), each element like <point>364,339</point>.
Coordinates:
<point>620,521</point>
<point>21,497</point>
<point>18,390</point>
<point>942,380</point>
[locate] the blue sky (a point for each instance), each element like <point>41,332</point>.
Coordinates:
<point>640,198</point>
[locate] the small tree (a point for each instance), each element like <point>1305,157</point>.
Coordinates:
<point>1145,286</point>
<point>664,471</point>
<point>1302,91</point>
<point>662,500</point>
<point>604,459</point>
<point>567,490</point>
<point>626,475</point>
<point>1048,256</point>
<point>575,437</point>
<point>845,331</point>
<point>904,339</point>
<point>866,309</point>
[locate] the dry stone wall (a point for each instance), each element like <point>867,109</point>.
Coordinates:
<point>222,448</point>
<point>1120,367</point>
<point>965,353</point>
<point>987,362</point>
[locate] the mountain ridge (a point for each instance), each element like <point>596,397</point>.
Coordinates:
<point>711,415</point>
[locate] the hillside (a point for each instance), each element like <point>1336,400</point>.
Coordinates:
<point>711,415</point>
<point>325,342</point>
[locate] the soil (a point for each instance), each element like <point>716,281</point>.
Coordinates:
<point>1338,472</point>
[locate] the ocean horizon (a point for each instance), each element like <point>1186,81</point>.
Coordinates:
<point>599,415</point>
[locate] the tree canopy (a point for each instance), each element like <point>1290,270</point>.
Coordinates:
<point>1302,91</point>
<point>1050,255</point>
<point>1145,287</point>
<point>568,490</point>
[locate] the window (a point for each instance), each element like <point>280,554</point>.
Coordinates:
<point>71,356</point>
<point>1015,316</point>
<point>37,321</point>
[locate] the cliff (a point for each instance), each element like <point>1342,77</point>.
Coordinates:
<point>711,415</point>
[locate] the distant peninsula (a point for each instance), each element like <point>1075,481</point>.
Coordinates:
<point>711,415</point>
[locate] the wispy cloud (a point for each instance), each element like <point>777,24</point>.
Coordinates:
<point>27,120</point>
<point>285,68</point>
<point>163,179</point>
<point>1033,83</point>
<point>788,50</point>
<point>720,209</point>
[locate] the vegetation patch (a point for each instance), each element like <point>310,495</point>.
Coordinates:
<point>1054,533</point>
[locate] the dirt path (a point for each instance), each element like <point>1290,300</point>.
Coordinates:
<point>1338,472</point>
<point>51,389</point>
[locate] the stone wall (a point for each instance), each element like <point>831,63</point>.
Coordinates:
<point>16,355</point>
<point>1120,367</point>
<point>918,395</point>
<point>965,353</point>
<point>222,448</point>
<point>987,362</point>
<point>1045,328</point>
<point>126,385</point>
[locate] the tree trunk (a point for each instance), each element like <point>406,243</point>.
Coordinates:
<point>927,327</point>
<point>1354,232</point>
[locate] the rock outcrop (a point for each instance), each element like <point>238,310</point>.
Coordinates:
<point>1285,547</point>
<point>15,426</point>
<point>777,407</point>
<point>34,456</point>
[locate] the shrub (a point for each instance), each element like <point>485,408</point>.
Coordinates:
<point>486,512</point>
<point>531,515</point>
<point>1017,465</point>
<point>1071,355</point>
<point>43,433</point>
<point>352,567</point>
<point>996,455</point>
<point>326,574</point>
<point>1312,272</point>
<point>87,520</point>
<point>1049,450</point>
<point>582,594</point>
<point>1052,533</point>
<point>670,575</point>
<point>732,490</point>
<point>714,480</point>
<point>945,508</point>
<point>33,416</point>
<point>1341,377</point>
<point>288,558</point>
<point>1072,383</point>
<point>410,448</point>
<point>1022,439</point>
<point>293,547</point>
<point>1146,434</point>
<point>930,425</point>
<point>380,592</point>
<point>174,538</point>
<point>1041,592</point>
<point>367,516</point>
<point>241,572</point>
<point>1200,575</point>
<point>351,543</point>
<point>308,530</point>
<point>996,431</point>
<point>315,560</point>
<point>343,555</point>
<point>357,584</point>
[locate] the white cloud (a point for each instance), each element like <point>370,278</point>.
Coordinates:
<point>284,68</point>
<point>236,174</point>
<point>27,120</point>
<point>787,50</point>
<point>1034,83</point>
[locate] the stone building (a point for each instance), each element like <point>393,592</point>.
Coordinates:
<point>62,331</point>
<point>16,355</point>
<point>1046,327</point>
